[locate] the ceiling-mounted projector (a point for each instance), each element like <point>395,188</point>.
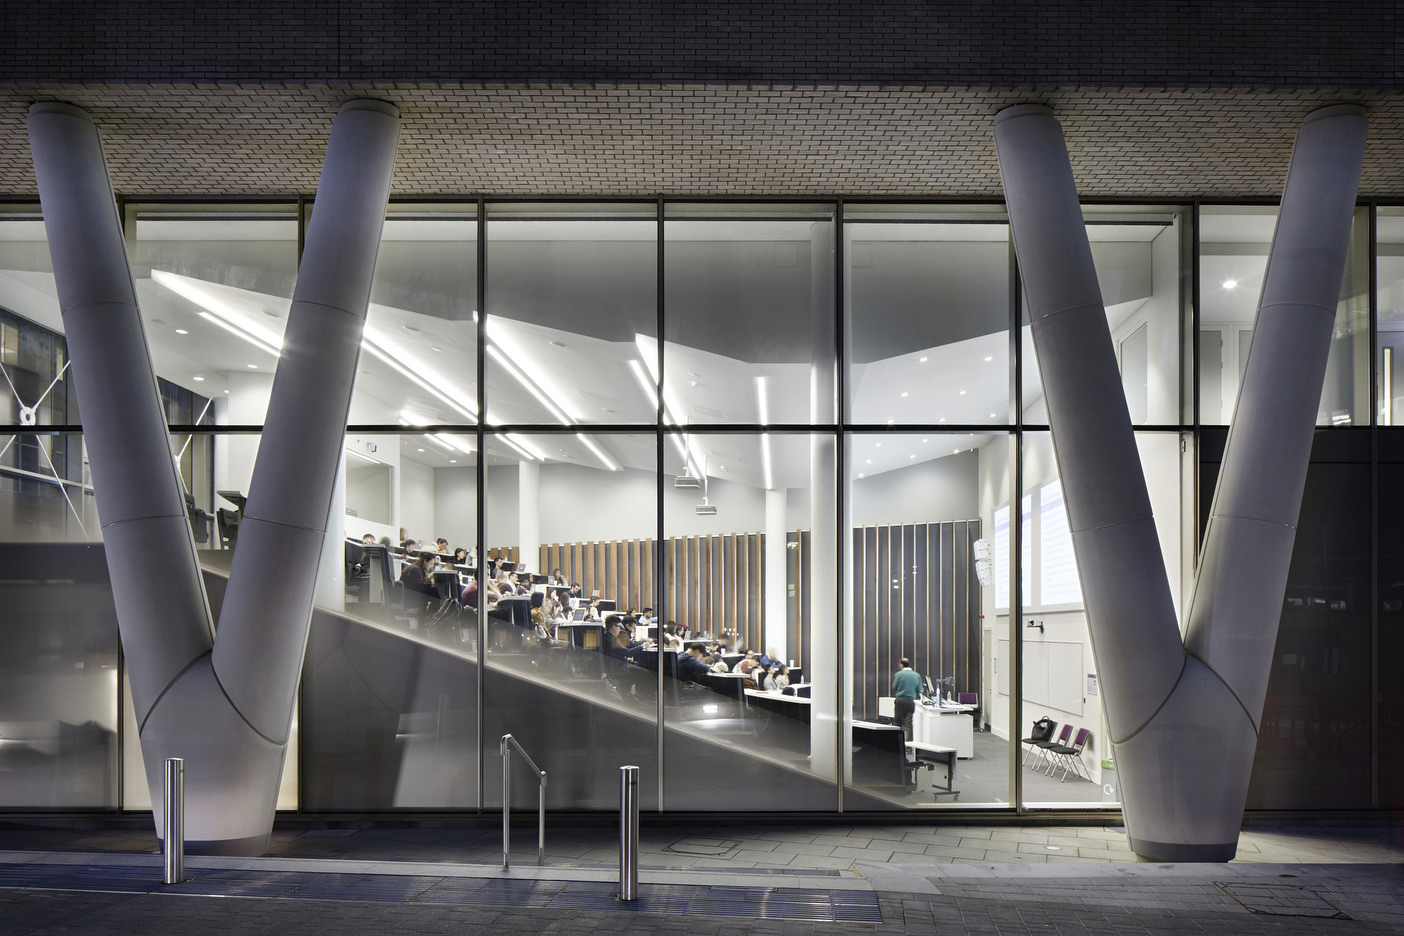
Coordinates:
<point>705,509</point>
<point>686,480</point>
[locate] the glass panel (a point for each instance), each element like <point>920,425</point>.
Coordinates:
<point>419,356</point>
<point>36,390</point>
<point>1389,246</point>
<point>58,674</point>
<point>581,698</point>
<point>1314,744</point>
<point>928,325</point>
<point>751,553</point>
<point>1060,679</point>
<point>923,589</point>
<point>214,285</point>
<point>1233,246</point>
<point>391,683</point>
<point>1139,256</point>
<point>750,309</point>
<point>1389,718</point>
<point>573,313</point>
<point>46,493</point>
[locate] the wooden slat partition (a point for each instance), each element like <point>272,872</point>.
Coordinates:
<point>711,582</point>
<point>914,595</point>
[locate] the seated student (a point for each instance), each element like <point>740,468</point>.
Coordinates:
<point>717,664</point>
<point>615,643</point>
<point>748,663</point>
<point>441,546</point>
<point>722,647</point>
<point>557,578</point>
<point>460,556</point>
<point>670,639</point>
<point>368,539</point>
<point>690,665</point>
<point>469,597</point>
<point>770,658</point>
<point>418,575</point>
<point>777,678</point>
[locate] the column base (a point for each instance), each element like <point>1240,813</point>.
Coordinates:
<point>1180,852</point>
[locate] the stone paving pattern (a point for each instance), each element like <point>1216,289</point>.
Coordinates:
<point>972,879</point>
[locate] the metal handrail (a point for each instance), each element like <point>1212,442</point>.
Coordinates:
<point>506,752</point>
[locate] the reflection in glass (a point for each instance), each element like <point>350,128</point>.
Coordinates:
<point>1234,245</point>
<point>750,315</point>
<point>1059,670</point>
<point>1138,255</point>
<point>572,313</point>
<point>419,352</point>
<point>929,518</point>
<point>929,317</point>
<point>390,690</point>
<point>568,672</point>
<point>1389,274</point>
<point>750,555</point>
<point>58,678</point>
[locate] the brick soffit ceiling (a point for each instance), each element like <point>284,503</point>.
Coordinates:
<point>616,140</point>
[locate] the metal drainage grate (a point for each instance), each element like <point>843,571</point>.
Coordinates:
<point>761,903</point>
<point>703,847</point>
<point>1282,900</point>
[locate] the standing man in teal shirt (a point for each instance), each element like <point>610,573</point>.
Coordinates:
<point>906,686</point>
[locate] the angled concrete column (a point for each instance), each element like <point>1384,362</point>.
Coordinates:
<point>1135,635</point>
<point>1184,725</point>
<point>225,709</point>
<point>156,584</point>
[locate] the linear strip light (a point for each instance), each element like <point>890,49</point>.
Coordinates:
<point>193,291</point>
<point>519,445</point>
<point>650,360</point>
<point>638,371</point>
<point>599,452</point>
<point>445,441</point>
<point>418,381</point>
<point>506,353</point>
<point>530,385</point>
<point>233,329</point>
<point>212,311</point>
<point>762,405</point>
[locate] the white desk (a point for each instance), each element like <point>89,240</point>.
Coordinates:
<point>944,727</point>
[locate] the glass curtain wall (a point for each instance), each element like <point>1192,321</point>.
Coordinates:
<point>1233,251</point>
<point>749,344</point>
<point>928,291</point>
<point>700,483</point>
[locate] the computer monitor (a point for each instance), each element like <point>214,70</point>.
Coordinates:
<point>606,604</point>
<point>578,614</point>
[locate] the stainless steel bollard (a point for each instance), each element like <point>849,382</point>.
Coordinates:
<point>173,822</point>
<point>506,807</point>
<point>628,833</point>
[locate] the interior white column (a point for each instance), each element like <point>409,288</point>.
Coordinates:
<point>827,711</point>
<point>529,514</point>
<point>775,634</point>
<point>331,571</point>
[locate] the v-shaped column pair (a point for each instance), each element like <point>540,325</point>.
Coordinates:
<point>1183,716</point>
<point>223,703</point>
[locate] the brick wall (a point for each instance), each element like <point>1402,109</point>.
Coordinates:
<point>1159,43</point>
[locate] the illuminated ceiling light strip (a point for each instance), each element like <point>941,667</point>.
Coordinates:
<point>521,448</point>
<point>454,443</point>
<point>415,379</point>
<point>235,330</point>
<point>599,452</point>
<point>531,386</point>
<point>648,388</point>
<point>191,291</point>
<point>506,352</point>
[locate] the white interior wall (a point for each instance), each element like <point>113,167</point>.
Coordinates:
<point>417,513</point>
<point>939,489</point>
